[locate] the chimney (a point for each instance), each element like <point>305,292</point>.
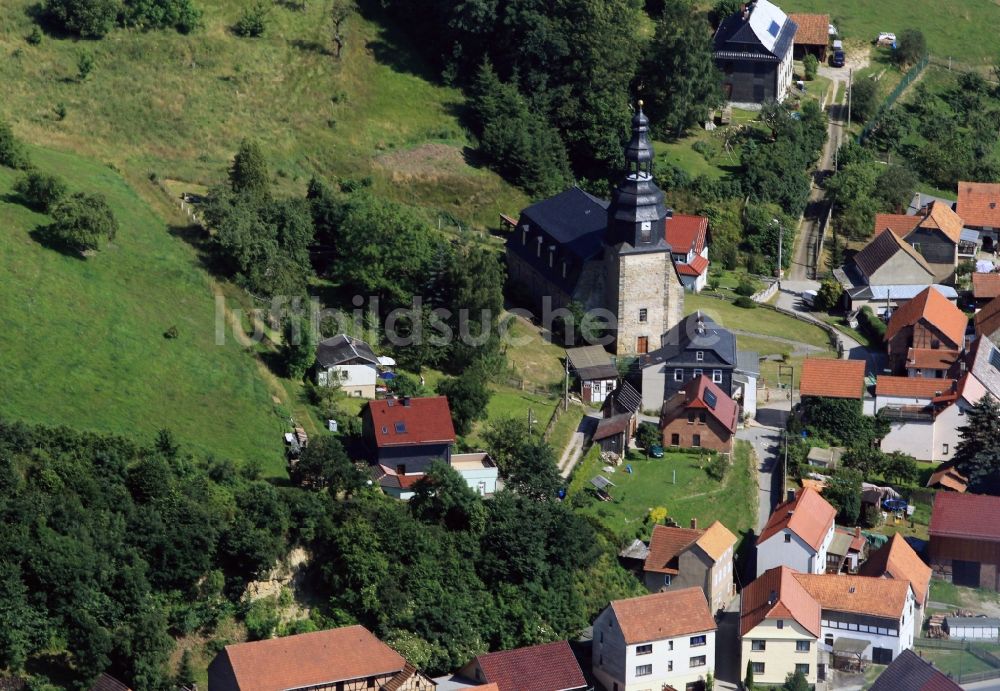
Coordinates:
<point>694,524</point>
<point>791,495</point>
<point>857,531</point>
<point>406,401</point>
<point>773,597</point>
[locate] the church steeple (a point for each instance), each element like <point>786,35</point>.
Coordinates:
<point>637,212</point>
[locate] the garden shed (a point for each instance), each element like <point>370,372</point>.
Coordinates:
<point>972,627</point>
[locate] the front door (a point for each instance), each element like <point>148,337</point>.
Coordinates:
<point>881,656</point>
<point>642,345</point>
<point>965,573</point>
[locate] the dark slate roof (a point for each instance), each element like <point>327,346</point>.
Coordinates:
<point>343,348</point>
<point>626,399</point>
<point>592,362</point>
<point>574,219</point>
<point>106,682</point>
<point>684,339</point>
<point>611,426</point>
<point>736,38</point>
<point>748,362</point>
<point>911,672</point>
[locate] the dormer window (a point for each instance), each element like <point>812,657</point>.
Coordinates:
<point>552,255</point>
<point>538,252</point>
<point>699,355</point>
<point>524,234</point>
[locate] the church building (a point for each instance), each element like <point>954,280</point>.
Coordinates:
<point>577,248</point>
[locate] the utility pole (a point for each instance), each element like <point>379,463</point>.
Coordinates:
<point>566,387</point>
<point>530,417</point>
<point>780,233</point>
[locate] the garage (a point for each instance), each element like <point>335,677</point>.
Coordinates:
<point>972,628</point>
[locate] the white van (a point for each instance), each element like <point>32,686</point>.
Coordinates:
<point>808,297</point>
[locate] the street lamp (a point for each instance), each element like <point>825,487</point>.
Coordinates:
<point>776,222</point>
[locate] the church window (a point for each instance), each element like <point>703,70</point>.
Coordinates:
<point>678,375</point>
<point>642,314</point>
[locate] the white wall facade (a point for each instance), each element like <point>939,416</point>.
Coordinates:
<point>784,75</point>
<point>795,554</point>
<point>615,664</point>
<point>481,480</point>
<point>911,436</point>
<point>354,380</point>
<point>780,654</point>
<point>881,637</point>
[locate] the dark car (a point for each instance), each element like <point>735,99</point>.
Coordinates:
<point>656,451</point>
<point>838,59</point>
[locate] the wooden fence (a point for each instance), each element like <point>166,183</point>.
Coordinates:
<point>890,100</point>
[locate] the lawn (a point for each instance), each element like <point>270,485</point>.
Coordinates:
<point>160,102</point>
<point>678,482</point>
<point>760,320</point>
<point>83,344</point>
<point>534,358</point>
<point>509,402</point>
<point>954,662</point>
<point>963,29</point>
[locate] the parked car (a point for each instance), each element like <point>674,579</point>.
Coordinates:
<point>808,297</point>
<point>656,451</point>
<point>838,59</point>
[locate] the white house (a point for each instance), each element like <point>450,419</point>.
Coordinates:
<point>348,363</point>
<point>654,641</point>
<point>798,534</point>
<point>687,236</point>
<point>873,616</point>
<point>479,471</point>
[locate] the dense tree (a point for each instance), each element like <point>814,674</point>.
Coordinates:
<point>977,455</point>
<point>86,18</point>
<point>853,190</point>
<point>82,222</point>
<point>12,151</point>
<point>900,467</point>
<point>828,295</point>
<point>679,75</point>
<point>442,496</point>
<point>864,99</point>
<point>910,47</point>
<point>895,187</point>
<point>841,421</point>
<point>298,348</point>
<point>844,492</point>
<point>324,464</point>
<point>468,396</point>
<point>40,190</point>
<point>248,173</point>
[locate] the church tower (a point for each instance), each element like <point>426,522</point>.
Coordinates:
<point>644,291</point>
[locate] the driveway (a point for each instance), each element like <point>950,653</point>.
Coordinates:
<point>766,441</point>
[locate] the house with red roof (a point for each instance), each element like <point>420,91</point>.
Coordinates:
<point>913,408</point>
<point>779,628</point>
<point>798,534</point>
<point>813,35</point>
<point>896,559</point>
<point>404,436</point>
<point>927,322</point>
<point>828,378</point>
<point>660,641</point>
<point>985,288</point>
<point>934,233</point>
<point>700,415</point>
<point>350,657</point>
<point>965,539</point>
<point>687,236</point>
<point>685,557</point>
<point>546,667</point>
<point>979,207</point>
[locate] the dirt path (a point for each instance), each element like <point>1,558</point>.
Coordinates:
<point>571,454</point>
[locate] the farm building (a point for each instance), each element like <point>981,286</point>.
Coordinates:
<point>595,372</point>
<point>965,539</point>
<point>972,627</point>
<point>813,35</point>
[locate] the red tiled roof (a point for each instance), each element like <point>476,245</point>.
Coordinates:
<point>972,516</point>
<point>931,358</point>
<point>979,204</point>
<point>985,286</point>
<point>422,421</point>
<point>809,516</point>
<point>663,615</point>
<point>696,267</point>
<point>309,659</point>
<point>941,217</point>
<point>987,320</point>
<point>693,395</point>
<point>665,545</point>
<point>777,595</point>
<point>936,310</point>
<point>814,29</point>
<point>684,232</point>
<point>900,224</point>
<point>878,597</point>
<point>896,559</point>
<point>832,378</point>
<point>912,387</point>
<point>610,426</point>
<point>546,667</point>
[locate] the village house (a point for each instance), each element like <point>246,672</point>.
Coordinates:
<point>985,288</point>
<point>911,672</point>
<point>934,232</point>
<point>546,667</point>
<point>687,236</point>
<point>896,559</point>
<point>965,539</point>
<point>753,50</point>
<point>797,534</point>
<point>348,363</point>
<point>779,628</point>
<point>680,558</point>
<point>350,658</point>
<point>987,320</point>
<point>700,416</point>
<point>826,378</point>
<point>847,551</point>
<point>478,470</point>
<point>404,436</point>
<point>927,322</point>
<point>614,434</point>
<point>595,372</point>
<point>913,407</point>
<point>576,248</point>
<point>812,36</point>
<point>978,206</point>
<point>105,682</point>
<point>871,618</point>
<point>664,640</point>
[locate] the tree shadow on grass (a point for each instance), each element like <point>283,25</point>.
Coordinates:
<point>310,47</point>
<point>45,236</point>
<point>196,237</point>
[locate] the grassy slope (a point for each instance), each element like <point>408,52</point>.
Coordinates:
<point>963,29</point>
<point>178,106</point>
<point>83,340</point>
<point>761,320</point>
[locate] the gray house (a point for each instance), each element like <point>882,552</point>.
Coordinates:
<point>753,50</point>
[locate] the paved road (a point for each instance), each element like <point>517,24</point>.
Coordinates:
<point>766,439</point>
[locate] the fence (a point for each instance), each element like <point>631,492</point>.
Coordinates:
<point>977,650</point>
<point>884,107</point>
<point>824,225</point>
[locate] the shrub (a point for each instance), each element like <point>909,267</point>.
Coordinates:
<point>35,37</point>
<point>744,302</point>
<point>810,65</point>
<point>85,18</point>
<point>717,467</point>
<point>84,65</point>
<point>910,47</point>
<point>745,287</point>
<point>864,99</point>
<point>40,191</point>
<point>870,325</point>
<point>253,22</point>
<point>827,296</point>
<point>12,152</point>
<point>82,221</point>
<point>60,110</point>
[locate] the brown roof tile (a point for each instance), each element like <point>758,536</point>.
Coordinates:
<point>814,29</point>
<point>973,516</point>
<point>309,659</point>
<point>941,217</point>
<point>896,559</point>
<point>832,378</point>
<point>934,308</point>
<point>776,594</point>
<point>900,224</point>
<point>883,248</point>
<point>546,667</point>
<point>696,394</point>
<point>948,477</point>
<point>716,540</point>
<point>931,358</point>
<point>987,320</point>
<point>915,387</point>
<point>878,597</point>
<point>809,516</point>
<point>666,545</point>
<point>684,232</point>
<point>911,672</point>
<point>422,421</point>
<point>663,615</point>
<point>979,204</point>
<point>985,286</point>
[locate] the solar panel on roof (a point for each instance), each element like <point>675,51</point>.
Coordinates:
<point>774,29</point>
<point>711,399</point>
